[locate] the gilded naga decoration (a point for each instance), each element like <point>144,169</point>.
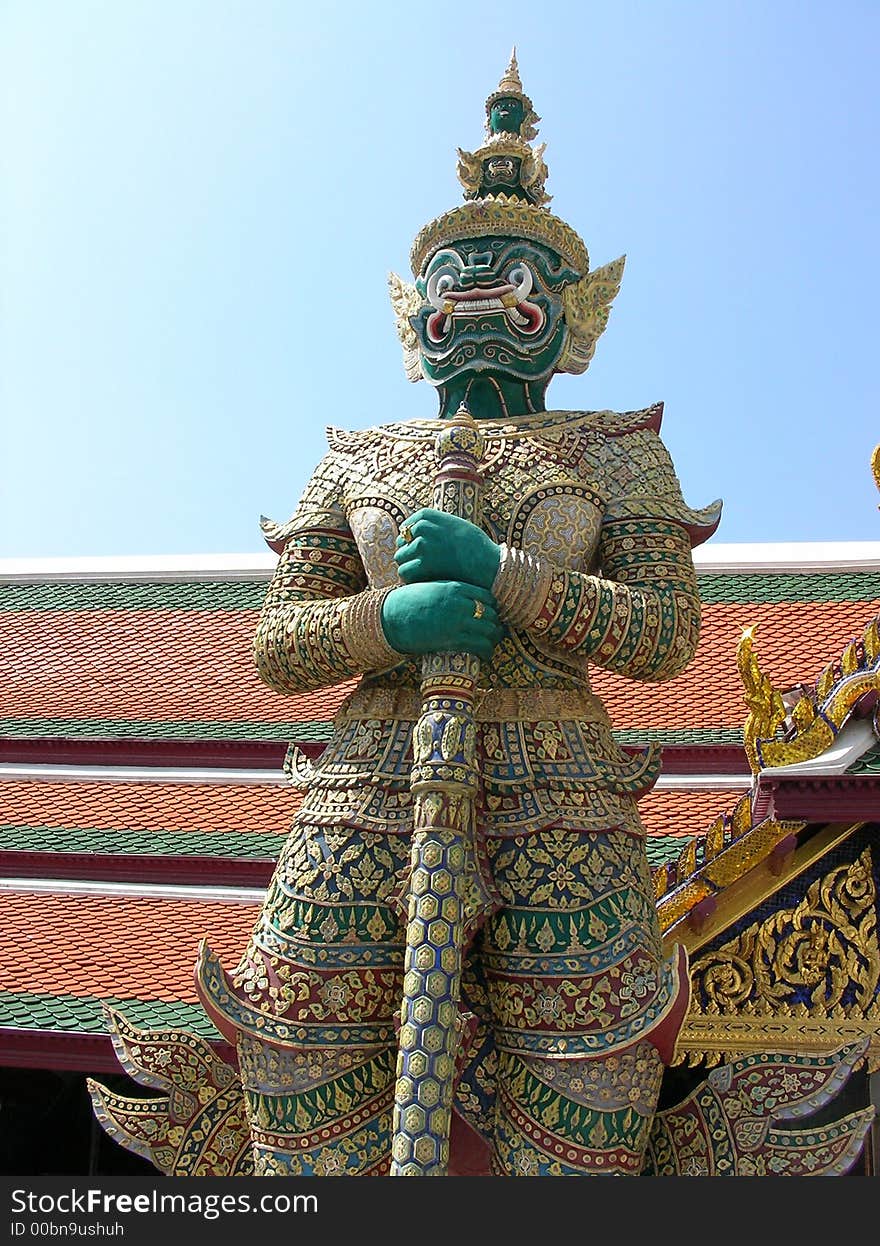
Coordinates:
<point>458,966</point>
<point>765,704</point>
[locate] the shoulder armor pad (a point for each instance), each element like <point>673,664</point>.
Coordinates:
<point>343,440</point>
<point>622,422</point>
<point>644,484</point>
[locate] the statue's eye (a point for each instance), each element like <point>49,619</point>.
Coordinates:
<point>445,262</point>
<point>438,283</point>
<point>522,278</point>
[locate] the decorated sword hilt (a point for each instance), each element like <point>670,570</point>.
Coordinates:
<point>444,741</point>
<point>458,484</point>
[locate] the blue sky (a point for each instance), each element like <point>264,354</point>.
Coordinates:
<point>200,202</point>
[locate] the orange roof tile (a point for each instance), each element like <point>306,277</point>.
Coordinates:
<point>113,945</point>
<point>118,946</point>
<point>148,806</point>
<point>150,665</point>
<point>199,807</point>
<point>195,666</point>
<point>683,814</point>
<point>794,641</point>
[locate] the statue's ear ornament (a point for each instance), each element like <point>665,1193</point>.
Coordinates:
<point>587,305</point>
<point>470,171</point>
<point>534,173</point>
<point>406,302</point>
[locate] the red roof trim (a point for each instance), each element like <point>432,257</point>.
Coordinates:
<point>232,754</point>
<point>269,754</point>
<point>101,867</point>
<point>837,798</point>
<point>704,759</point>
<point>70,1050</point>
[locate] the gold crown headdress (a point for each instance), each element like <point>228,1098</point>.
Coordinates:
<point>503,185</point>
<point>504,196</point>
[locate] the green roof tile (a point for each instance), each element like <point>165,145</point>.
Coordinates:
<point>868,763</point>
<point>684,736</point>
<point>718,588</point>
<point>663,848</point>
<point>301,732</point>
<point>220,594</point>
<point>195,595</point>
<point>234,844</point>
<point>83,1014</point>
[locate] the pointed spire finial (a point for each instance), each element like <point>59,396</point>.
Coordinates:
<point>504,186</point>
<point>511,81</point>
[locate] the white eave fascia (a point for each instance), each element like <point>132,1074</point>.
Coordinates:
<point>154,568</point>
<point>852,741</point>
<point>703,782</point>
<point>209,775</point>
<point>794,557</point>
<point>134,891</point>
<point>215,775</point>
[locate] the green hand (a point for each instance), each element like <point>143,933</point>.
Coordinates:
<point>444,547</point>
<point>439,617</point>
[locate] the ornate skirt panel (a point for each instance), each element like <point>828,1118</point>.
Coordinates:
<point>566,983</point>
<point>318,1114</point>
<point>572,961</point>
<point>324,964</point>
<point>575,1118</point>
<point>535,773</point>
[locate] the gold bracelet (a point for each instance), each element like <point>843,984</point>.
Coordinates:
<point>361,620</point>
<point>521,585</point>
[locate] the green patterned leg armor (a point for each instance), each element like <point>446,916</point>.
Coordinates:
<point>567,981</point>
<point>322,1114</point>
<point>313,1005</point>
<point>575,1118</point>
<point>578,989</point>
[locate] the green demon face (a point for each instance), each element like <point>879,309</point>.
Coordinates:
<point>506,115</point>
<point>494,306</point>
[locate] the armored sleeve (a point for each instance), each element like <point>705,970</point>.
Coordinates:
<point>320,624</point>
<point>639,614</point>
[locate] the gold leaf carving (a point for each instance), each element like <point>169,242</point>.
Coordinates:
<point>587,307</point>
<point>802,962</point>
<point>875,465</point>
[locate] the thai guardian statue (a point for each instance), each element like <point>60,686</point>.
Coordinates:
<point>554,1012</point>
<point>560,1010</point>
